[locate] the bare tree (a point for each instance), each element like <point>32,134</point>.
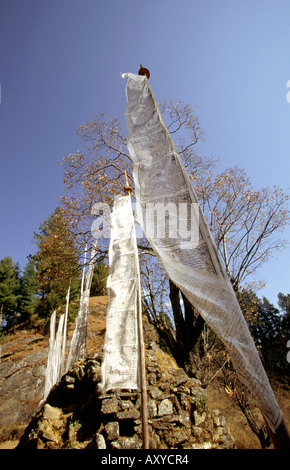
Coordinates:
<point>245,222</point>
<point>96,174</point>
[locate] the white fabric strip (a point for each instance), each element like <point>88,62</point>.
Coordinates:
<point>198,271</point>
<point>120,363</point>
<point>78,343</point>
<point>48,372</point>
<point>54,361</point>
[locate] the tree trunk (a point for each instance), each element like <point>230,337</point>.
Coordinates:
<point>180,326</point>
<point>242,397</point>
<point>194,347</point>
<point>189,325</point>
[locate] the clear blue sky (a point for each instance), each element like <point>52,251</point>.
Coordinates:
<point>60,63</point>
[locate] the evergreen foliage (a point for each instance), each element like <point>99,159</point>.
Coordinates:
<point>56,264</point>
<point>99,282</point>
<point>29,288</point>
<point>270,328</point>
<point>9,291</point>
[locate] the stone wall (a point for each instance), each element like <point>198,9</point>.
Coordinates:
<point>77,415</point>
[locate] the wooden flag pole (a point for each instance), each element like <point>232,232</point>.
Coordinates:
<point>144,410</point>
<point>142,370</point>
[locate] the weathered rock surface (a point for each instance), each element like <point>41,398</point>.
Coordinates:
<point>77,415</point>
<point>22,369</point>
<point>23,359</point>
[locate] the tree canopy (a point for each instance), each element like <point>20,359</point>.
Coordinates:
<point>9,291</point>
<point>56,263</point>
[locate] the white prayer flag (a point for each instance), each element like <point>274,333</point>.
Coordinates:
<point>54,360</point>
<point>78,343</point>
<point>120,365</point>
<point>196,269</point>
<point>64,333</point>
<point>48,372</point>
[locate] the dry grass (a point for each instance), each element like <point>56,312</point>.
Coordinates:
<point>96,324</point>
<point>240,430</point>
<point>164,360</point>
<point>101,300</point>
<point>242,434</point>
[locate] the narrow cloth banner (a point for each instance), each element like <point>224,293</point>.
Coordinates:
<point>78,345</point>
<point>54,360</point>
<point>120,365</point>
<point>56,352</point>
<point>160,178</point>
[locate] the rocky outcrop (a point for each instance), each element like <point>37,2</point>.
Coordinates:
<point>22,367</point>
<point>78,415</point>
<point>23,359</point>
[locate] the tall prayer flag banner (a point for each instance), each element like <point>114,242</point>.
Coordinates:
<point>120,365</point>
<point>194,265</point>
<point>78,343</point>
<point>48,372</point>
<point>64,333</point>
<point>56,351</point>
<point>54,360</point>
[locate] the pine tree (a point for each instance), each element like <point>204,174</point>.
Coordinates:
<point>29,289</point>
<point>56,263</point>
<point>9,292</point>
<point>267,331</point>
<point>284,304</point>
<point>99,281</point>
